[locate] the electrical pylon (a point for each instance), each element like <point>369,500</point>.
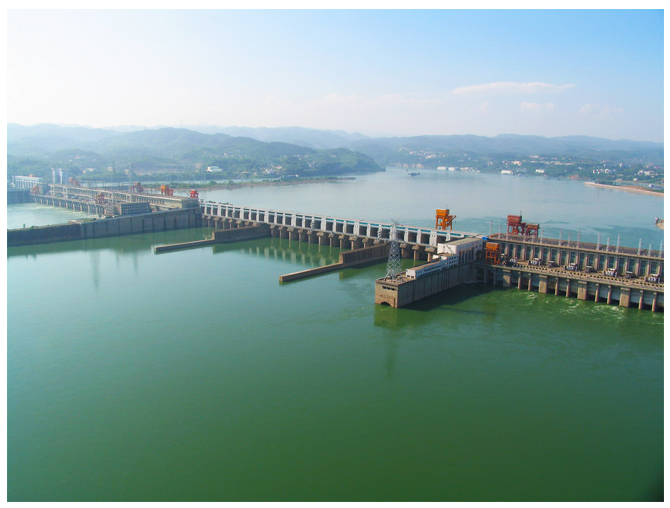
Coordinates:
<point>393,266</point>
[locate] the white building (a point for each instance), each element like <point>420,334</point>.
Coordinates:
<point>437,265</point>
<point>465,249</point>
<point>214,169</point>
<point>26,182</point>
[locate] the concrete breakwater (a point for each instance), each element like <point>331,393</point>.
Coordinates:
<point>114,226</point>
<point>219,236</point>
<point>349,259</point>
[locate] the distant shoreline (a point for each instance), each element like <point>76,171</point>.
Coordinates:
<point>238,185</point>
<point>629,188</point>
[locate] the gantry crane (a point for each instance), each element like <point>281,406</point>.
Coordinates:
<point>443,219</point>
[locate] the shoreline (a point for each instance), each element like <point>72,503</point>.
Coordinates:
<point>628,188</point>
<point>239,185</point>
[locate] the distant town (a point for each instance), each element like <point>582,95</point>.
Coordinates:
<point>645,174</point>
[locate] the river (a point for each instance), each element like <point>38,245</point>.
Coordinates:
<point>196,376</point>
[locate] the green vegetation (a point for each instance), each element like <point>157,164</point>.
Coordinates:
<point>177,154</point>
<point>174,155</point>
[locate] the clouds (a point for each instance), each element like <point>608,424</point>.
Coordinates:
<point>599,111</point>
<point>509,88</point>
<point>536,106</point>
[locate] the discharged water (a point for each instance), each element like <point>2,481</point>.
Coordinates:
<point>22,215</point>
<point>195,375</point>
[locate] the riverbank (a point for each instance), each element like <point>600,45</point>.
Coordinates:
<point>267,183</point>
<point>629,188</point>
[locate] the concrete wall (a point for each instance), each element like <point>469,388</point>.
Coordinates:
<point>227,236</point>
<point>145,223</point>
<point>348,259</point>
<point>116,226</point>
<point>241,234</point>
<point>399,294</point>
<point>361,255</point>
<point>18,196</point>
<point>43,234</point>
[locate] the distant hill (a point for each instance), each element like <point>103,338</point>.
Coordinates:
<point>312,138</point>
<point>295,150</point>
<point>82,149</point>
<point>384,149</point>
<point>53,137</point>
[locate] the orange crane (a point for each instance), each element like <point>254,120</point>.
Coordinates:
<point>493,253</point>
<point>443,219</point>
<point>515,226</point>
<point>137,187</point>
<point>194,193</point>
<point>166,190</point>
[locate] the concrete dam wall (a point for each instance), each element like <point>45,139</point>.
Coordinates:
<point>115,226</point>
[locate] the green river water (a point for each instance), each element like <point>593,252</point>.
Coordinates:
<point>196,376</point>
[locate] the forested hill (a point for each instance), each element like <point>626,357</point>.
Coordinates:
<point>93,151</point>
<point>313,138</point>
<point>386,150</point>
<point>293,151</point>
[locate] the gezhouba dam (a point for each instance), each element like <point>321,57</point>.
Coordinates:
<point>520,256</point>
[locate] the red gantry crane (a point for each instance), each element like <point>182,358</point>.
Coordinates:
<point>516,226</point>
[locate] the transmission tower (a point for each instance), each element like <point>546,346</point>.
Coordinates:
<point>393,266</point>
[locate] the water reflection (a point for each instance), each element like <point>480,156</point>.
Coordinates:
<point>140,244</point>
<point>289,251</point>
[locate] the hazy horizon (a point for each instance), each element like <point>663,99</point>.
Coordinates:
<point>132,128</point>
<point>396,73</point>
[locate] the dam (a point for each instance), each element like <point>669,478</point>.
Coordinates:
<point>519,258</point>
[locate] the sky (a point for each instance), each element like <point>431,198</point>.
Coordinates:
<point>377,72</point>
